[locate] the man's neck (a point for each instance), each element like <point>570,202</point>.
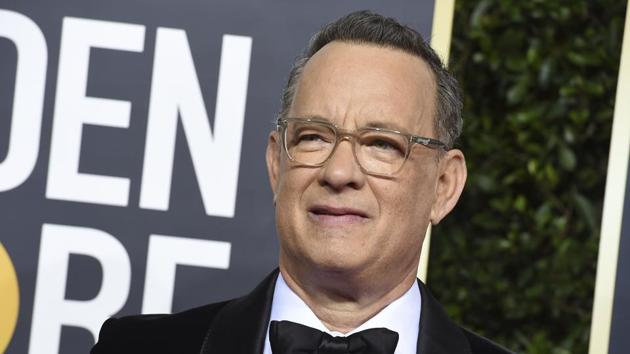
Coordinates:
<point>344,301</point>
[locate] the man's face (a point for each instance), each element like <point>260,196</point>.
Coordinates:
<point>336,217</point>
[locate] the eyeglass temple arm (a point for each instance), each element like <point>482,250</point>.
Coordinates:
<point>428,142</point>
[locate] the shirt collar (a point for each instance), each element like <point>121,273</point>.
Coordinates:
<point>402,316</point>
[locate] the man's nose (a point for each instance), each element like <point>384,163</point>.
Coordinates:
<point>342,170</point>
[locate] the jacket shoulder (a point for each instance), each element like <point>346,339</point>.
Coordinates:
<point>182,332</point>
<point>479,344</point>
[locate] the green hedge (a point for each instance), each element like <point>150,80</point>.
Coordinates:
<point>516,259</point>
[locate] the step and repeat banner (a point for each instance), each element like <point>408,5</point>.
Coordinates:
<point>132,138</point>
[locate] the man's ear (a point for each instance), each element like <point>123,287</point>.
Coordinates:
<point>450,183</point>
<point>273,161</point>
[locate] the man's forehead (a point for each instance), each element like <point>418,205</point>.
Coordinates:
<point>365,53</point>
<point>371,83</point>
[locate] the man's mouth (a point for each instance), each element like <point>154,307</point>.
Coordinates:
<point>336,215</point>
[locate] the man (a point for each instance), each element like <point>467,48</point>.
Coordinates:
<point>360,163</point>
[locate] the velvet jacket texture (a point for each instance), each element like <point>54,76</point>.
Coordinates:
<point>239,326</point>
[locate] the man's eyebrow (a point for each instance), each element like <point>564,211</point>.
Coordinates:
<point>370,124</point>
<point>317,117</point>
<point>385,125</point>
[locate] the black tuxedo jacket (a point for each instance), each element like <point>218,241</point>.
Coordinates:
<point>239,327</point>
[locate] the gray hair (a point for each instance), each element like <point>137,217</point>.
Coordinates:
<point>370,28</point>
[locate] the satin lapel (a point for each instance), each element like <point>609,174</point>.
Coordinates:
<point>438,334</point>
<point>241,326</point>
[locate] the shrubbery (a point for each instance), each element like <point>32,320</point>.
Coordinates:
<point>516,259</point>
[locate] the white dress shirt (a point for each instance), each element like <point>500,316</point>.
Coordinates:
<point>402,316</point>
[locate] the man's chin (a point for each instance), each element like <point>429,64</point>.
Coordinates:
<point>338,264</point>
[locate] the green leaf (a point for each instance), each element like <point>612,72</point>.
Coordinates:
<point>520,203</point>
<point>567,158</point>
<point>586,211</point>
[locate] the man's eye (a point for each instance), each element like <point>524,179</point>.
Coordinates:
<point>310,138</point>
<point>383,145</point>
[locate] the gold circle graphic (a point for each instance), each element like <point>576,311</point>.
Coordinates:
<point>9,299</point>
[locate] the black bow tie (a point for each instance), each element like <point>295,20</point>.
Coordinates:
<point>293,338</point>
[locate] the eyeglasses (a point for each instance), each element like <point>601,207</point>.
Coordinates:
<point>378,151</point>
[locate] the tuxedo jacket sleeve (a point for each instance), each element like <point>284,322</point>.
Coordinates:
<point>239,326</point>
